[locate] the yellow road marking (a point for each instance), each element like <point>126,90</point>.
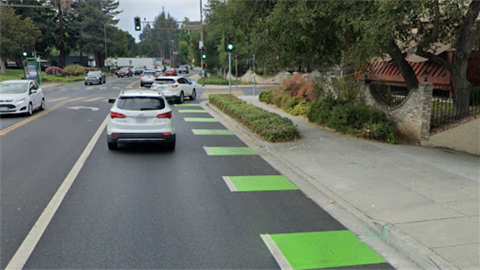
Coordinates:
<point>57,99</point>
<point>131,85</point>
<point>33,117</point>
<point>94,99</point>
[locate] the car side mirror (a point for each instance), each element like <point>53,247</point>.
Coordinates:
<point>33,91</point>
<point>111,100</point>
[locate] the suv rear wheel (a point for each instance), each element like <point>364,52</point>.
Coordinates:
<point>181,98</point>
<point>112,146</point>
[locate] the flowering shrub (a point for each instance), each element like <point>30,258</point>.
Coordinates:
<point>74,70</point>
<point>300,86</point>
<point>55,71</point>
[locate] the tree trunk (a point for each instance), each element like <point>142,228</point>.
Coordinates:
<point>405,69</point>
<point>460,85</point>
<point>3,68</point>
<point>62,39</point>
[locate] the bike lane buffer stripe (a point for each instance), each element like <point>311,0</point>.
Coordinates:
<point>229,151</point>
<point>212,132</point>
<point>317,250</point>
<point>199,119</point>
<point>192,111</point>
<point>258,183</point>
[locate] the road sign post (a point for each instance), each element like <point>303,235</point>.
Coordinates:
<point>230,72</point>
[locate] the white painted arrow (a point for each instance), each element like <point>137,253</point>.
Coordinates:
<point>83,107</point>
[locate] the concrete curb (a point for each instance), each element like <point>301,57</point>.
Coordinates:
<point>342,210</point>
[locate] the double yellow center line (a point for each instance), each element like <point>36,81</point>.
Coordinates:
<point>33,117</point>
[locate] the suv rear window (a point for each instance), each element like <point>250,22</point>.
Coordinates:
<point>164,81</point>
<point>141,103</point>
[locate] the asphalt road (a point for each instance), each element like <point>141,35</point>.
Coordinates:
<point>143,206</point>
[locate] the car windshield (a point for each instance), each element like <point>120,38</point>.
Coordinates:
<point>164,81</point>
<point>124,69</point>
<point>141,103</point>
<point>93,73</point>
<point>13,88</point>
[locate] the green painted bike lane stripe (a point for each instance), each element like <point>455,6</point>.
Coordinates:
<point>199,119</point>
<point>314,250</point>
<point>229,151</point>
<point>187,105</point>
<point>192,111</point>
<point>258,183</point>
<point>212,132</point>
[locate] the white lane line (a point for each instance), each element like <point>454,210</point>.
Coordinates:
<point>230,184</point>
<point>28,245</point>
<point>275,251</point>
<point>207,150</point>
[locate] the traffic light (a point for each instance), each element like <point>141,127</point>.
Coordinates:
<point>204,53</point>
<point>25,50</point>
<point>229,46</point>
<point>138,24</point>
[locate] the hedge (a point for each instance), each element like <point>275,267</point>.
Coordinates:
<point>269,126</point>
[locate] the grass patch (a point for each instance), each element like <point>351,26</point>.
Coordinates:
<point>12,74</point>
<point>269,126</point>
<point>18,74</point>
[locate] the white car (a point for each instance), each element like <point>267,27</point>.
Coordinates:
<point>21,97</point>
<point>139,116</point>
<point>175,88</point>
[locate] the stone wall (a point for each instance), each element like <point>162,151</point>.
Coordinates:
<point>412,117</point>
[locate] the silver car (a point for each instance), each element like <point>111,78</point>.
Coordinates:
<point>148,77</point>
<point>21,96</point>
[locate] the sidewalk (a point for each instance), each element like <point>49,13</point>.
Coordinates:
<point>422,201</point>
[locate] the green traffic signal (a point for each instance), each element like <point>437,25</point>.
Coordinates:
<point>24,54</point>
<point>230,47</point>
<point>204,56</point>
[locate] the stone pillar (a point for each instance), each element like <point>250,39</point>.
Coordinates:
<point>425,90</point>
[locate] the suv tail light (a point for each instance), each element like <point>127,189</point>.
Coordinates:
<point>117,115</point>
<point>165,115</point>
<point>175,86</point>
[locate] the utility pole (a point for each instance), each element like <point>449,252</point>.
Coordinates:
<point>201,39</point>
<point>254,75</point>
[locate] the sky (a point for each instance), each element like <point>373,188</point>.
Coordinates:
<point>149,9</point>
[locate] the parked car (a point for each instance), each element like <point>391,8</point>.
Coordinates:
<point>183,69</point>
<point>140,116</point>
<point>175,89</point>
<point>124,72</point>
<point>95,77</point>
<point>148,77</point>
<point>171,72</point>
<point>138,70</point>
<point>21,97</point>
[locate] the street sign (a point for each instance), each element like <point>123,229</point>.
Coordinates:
<point>200,44</point>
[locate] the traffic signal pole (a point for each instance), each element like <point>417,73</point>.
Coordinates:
<point>201,38</point>
<point>230,73</point>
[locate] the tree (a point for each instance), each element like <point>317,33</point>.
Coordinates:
<point>94,20</point>
<point>14,32</point>
<point>386,27</point>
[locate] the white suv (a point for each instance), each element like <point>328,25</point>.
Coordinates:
<point>175,88</point>
<point>140,116</point>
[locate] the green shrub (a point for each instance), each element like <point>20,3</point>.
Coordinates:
<point>299,109</point>
<point>266,96</point>
<point>73,70</point>
<point>475,96</point>
<point>269,126</point>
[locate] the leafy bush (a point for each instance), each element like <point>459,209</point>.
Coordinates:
<point>299,109</point>
<point>298,85</point>
<point>55,71</point>
<point>475,96</point>
<point>266,96</point>
<point>269,126</point>
<point>74,70</point>
<point>218,80</point>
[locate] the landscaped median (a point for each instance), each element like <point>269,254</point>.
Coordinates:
<point>267,125</point>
